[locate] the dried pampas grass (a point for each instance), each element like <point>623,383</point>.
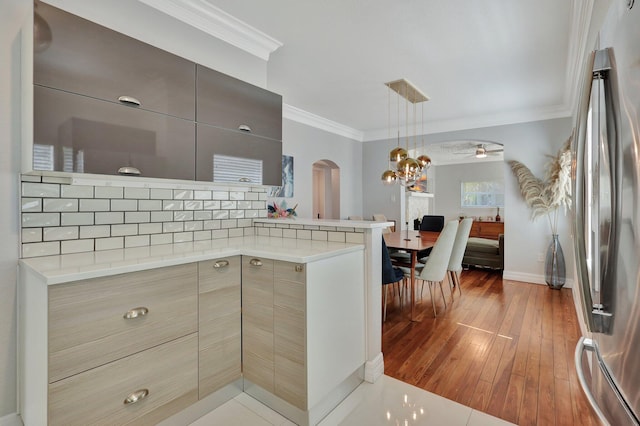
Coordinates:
<point>544,197</point>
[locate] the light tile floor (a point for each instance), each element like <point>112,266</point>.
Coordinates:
<point>386,402</point>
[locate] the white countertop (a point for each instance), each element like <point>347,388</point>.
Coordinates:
<point>336,223</point>
<point>79,266</point>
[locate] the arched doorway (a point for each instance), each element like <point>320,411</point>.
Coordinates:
<point>326,190</point>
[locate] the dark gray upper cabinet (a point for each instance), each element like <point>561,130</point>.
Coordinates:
<point>74,133</point>
<point>224,101</point>
<point>242,151</point>
<point>92,60</point>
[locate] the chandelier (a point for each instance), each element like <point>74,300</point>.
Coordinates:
<point>407,169</point>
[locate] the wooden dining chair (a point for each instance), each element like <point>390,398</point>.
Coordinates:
<point>457,253</point>
<point>435,268</point>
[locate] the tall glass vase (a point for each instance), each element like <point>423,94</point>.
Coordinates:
<point>554,267</point>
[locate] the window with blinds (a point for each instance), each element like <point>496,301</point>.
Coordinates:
<point>43,157</point>
<point>236,169</point>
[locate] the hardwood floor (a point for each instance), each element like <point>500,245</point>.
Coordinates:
<point>502,347</point>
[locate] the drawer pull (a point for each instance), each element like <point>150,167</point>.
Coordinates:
<point>244,128</point>
<point>299,268</point>
<point>221,264</point>
<point>136,396</point>
<point>129,100</point>
<point>136,312</point>
<point>255,262</point>
<point>129,171</point>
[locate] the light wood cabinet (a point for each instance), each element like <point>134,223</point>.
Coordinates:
<point>219,313</point>
<point>88,324</point>
<point>491,230</point>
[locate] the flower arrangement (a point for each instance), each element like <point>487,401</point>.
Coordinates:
<point>274,211</point>
<point>544,197</point>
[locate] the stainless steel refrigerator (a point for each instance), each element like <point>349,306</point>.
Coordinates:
<point>607,218</point>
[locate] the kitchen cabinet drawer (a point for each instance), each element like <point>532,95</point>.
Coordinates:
<point>92,60</point>
<point>257,321</point>
<point>212,141</point>
<point>168,373</point>
<point>87,324</point>
<point>74,133</point>
<point>227,102</point>
<point>219,330</point>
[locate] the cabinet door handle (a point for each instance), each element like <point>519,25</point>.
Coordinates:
<point>299,268</point>
<point>255,262</point>
<point>129,171</point>
<point>129,100</point>
<point>244,128</point>
<point>136,396</point>
<point>136,312</point>
<point>221,264</point>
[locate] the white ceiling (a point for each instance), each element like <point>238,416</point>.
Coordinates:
<point>482,63</point>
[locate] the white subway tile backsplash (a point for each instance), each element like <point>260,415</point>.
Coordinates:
<point>30,189</point>
<point>212,205</point>
<point>92,205</point>
<point>275,232</point>
<point>262,196</point>
<point>236,195</point>
<point>109,192</point>
<point>124,205</point>
<point>172,205</point>
<point>182,237</point>
<point>109,243</point>
<point>76,191</point>
<point>229,223</point>
<point>137,217</point>
<point>236,214</point>
<point>259,205</point>
<point>338,237</point>
<point>31,235</point>
<point>201,195</point>
<point>33,220</point>
<point>181,216</point>
<point>236,232</point>
<point>161,194</point>
<point>149,205</point>
<point>41,249</point>
<point>201,235</point>
<point>172,227</point>
<point>136,241</point>
<point>228,205</point>
<point>319,235</point>
<point>67,219</point>
<point>304,234</point>
<point>31,205</point>
<point>161,216</point>
<point>220,214</point>
<point>76,246</point>
<point>289,233</point>
<point>136,193</point>
<point>251,213</point>
<point>56,179</point>
<point>161,239</point>
<point>219,233</point>
<point>263,232</point>
<point>202,215</point>
<point>193,205</point>
<point>27,178</point>
<point>211,224</point>
<point>355,238</point>
<point>150,228</point>
<point>120,230</point>
<point>107,218</point>
<point>183,194</point>
<point>60,205</point>
<point>219,195</point>
<point>193,226</point>
<point>244,223</point>
<point>244,205</point>
<point>60,233</point>
<point>97,231</point>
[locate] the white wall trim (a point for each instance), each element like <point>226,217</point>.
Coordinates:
<point>206,17</point>
<point>11,420</point>
<point>374,369</point>
<point>292,113</point>
<point>531,278</point>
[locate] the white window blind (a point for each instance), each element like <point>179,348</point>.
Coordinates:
<point>42,157</point>
<point>236,169</point>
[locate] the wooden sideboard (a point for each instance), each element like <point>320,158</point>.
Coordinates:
<point>490,230</point>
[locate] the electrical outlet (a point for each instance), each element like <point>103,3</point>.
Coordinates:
<point>540,257</point>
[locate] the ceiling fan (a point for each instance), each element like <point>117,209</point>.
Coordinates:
<point>483,152</point>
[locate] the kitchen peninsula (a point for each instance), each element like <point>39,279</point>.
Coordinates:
<point>315,351</point>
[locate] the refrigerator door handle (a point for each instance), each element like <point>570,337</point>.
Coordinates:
<point>578,173</point>
<point>587,344</point>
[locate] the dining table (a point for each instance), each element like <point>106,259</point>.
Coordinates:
<point>412,242</point>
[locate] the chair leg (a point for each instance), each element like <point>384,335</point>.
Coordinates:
<point>384,296</point>
<point>433,305</point>
<point>442,292</point>
<point>457,276</point>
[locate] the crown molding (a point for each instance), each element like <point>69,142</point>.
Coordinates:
<point>204,16</point>
<point>292,113</point>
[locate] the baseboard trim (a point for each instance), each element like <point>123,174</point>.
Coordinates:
<point>374,369</point>
<point>531,278</point>
<point>11,420</point>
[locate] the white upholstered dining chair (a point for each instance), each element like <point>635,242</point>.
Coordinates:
<point>457,253</point>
